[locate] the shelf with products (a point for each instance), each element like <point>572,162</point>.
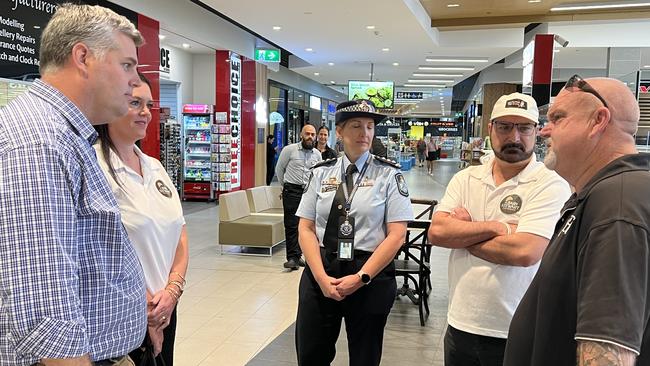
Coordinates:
<point>221,155</point>
<point>170,149</point>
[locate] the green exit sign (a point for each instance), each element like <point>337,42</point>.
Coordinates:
<point>267,55</point>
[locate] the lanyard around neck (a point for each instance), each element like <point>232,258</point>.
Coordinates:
<point>348,198</point>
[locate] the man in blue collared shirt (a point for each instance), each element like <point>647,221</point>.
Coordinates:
<point>72,289</point>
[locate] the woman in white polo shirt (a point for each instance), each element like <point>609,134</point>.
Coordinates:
<point>152,215</point>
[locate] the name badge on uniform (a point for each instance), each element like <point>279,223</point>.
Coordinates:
<point>346,239</point>
<point>366,182</point>
<point>329,185</point>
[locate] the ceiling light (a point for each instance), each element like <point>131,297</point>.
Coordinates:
<point>277,28</point>
<point>332,82</point>
<point>370,27</point>
<point>161,37</point>
<point>317,73</point>
<point>424,86</point>
<point>429,81</point>
<point>442,59</point>
<point>395,63</point>
<point>453,5</point>
<point>646,66</point>
<point>534,1</point>
<point>37,27</point>
<point>330,63</point>
<point>309,49</point>
<point>447,68</point>
<point>437,75</point>
<point>386,49</point>
<point>596,6</point>
<point>186,45</point>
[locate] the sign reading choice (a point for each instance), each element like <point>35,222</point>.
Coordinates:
<point>267,55</point>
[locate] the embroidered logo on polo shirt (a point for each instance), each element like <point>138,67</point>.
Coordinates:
<point>163,189</point>
<point>511,204</point>
<point>517,103</point>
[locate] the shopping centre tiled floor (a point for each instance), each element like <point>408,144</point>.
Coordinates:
<point>239,310</point>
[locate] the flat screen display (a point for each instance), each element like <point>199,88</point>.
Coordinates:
<point>380,93</point>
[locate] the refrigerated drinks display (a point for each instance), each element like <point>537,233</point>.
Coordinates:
<point>197,171</point>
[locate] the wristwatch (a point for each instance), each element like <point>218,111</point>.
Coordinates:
<point>365,278</point>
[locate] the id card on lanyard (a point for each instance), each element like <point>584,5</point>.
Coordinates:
<point>346,228</point>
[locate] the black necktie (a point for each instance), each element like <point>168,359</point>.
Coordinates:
<point>330,239</point>
<point>349,182</point>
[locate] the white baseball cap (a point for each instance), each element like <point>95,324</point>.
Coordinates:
<point>516,104</point>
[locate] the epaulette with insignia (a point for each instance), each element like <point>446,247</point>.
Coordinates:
<point>392,163</point>
<point>327,162</point>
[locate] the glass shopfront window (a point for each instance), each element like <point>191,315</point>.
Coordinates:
<point>278,114</point>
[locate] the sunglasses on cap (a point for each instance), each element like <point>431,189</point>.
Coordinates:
<point>577,82</point>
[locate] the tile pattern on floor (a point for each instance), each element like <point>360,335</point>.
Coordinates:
<point>234,306</point>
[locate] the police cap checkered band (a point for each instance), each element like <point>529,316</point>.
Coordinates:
<point>357,108</point>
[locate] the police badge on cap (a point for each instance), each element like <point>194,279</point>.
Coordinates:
<point>357,108</point>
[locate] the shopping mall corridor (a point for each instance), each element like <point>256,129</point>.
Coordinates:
<point>240,310</point>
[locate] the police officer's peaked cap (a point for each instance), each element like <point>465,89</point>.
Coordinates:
<point>357,108</point>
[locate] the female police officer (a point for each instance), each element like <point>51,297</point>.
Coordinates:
<point>353,220</point>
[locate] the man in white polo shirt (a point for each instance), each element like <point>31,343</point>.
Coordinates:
<point>497,218</point>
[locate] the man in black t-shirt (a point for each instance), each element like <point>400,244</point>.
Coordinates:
<point>589,302</point>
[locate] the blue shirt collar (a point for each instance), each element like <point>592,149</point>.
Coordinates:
<point>78,121</point>
<point>360,162</point>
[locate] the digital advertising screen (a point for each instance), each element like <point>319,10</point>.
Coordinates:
<point>380,93</point>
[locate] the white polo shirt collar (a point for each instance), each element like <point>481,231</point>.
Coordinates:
<point>528,174</point>
<point>148,169</point>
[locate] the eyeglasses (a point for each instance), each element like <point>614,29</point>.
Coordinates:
<point>504,128</point>
<point>577,82</point>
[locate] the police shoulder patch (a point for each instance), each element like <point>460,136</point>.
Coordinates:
<point>328,162</point>
<point>392,163</point>
<point>401,185</point>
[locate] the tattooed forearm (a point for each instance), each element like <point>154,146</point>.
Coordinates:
<point>603,354</point>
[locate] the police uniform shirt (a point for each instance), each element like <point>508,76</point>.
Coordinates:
<point>382,197</point>
<point>295,162</point>
<point>483,296</point>
<point>151,213</point>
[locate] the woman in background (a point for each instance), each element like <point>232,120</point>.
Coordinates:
<point>152,215</point>
<point>325,151</point>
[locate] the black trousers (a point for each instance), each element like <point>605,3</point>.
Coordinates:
<point>467,349</point>
<point>291,195</point>
<point>365,312</point>
<point>270,171</point>
<point>167,353</point>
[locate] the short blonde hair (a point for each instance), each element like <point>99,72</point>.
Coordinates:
<point>95,26</point>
